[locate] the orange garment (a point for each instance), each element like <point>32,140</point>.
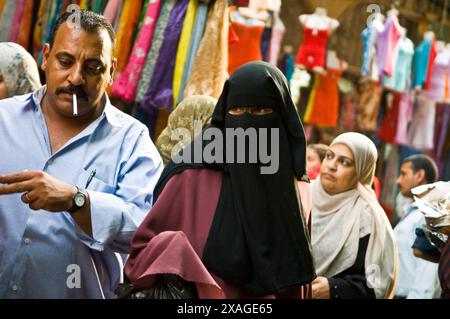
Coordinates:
<point>23,37</point>
<point>325,110</point>
<point>247,48</point>
<point>2,5</point>
<point>129,22</point>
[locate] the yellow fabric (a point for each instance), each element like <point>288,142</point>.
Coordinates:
<point>84,5</point>
<point>121,32</point>
<point>183,48</point>
<point>2,5</point>
<point>312,98</point>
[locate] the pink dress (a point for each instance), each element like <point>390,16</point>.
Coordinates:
<point>441,70</point>
<point>125,86</point>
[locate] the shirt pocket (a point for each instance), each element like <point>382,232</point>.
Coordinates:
<point>95,183</point>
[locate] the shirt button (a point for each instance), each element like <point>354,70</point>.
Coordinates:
<point>14,287</point>
<point>27,241</point>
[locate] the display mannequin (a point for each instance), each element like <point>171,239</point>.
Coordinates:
<point>429,35</point>
<point>317,29</point>
<point>334,62</point>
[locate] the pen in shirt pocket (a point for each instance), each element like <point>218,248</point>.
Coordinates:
<point>91,176</point>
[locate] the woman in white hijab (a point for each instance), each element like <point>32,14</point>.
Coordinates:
<point>18,71</point>
<point>352,241</point>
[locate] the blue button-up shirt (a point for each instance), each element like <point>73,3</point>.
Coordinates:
<point>47,255</point>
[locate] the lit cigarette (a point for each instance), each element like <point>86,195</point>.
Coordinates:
<point>75,106</point>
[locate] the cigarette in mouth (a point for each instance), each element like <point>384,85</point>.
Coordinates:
<point>75,106</point>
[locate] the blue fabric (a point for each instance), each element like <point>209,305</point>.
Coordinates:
<point>421,57</point>
<point>40,250</point>
<point>366,36</point>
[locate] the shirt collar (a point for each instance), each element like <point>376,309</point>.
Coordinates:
<point>110,112</point>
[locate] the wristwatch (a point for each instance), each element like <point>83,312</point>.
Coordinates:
<point>78,201</point>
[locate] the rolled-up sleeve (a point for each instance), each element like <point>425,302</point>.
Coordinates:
<point>115,217</point>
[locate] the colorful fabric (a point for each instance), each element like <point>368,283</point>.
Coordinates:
<point>160,93</point>
<point>209,70</point>
<point>125,86</point>
<point>183,47</point>
<point>158,37</point>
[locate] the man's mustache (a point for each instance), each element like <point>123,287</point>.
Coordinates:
<point>77,90</point>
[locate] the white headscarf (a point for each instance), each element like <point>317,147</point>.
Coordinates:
<point>339,221</point>
<point>19,69</point>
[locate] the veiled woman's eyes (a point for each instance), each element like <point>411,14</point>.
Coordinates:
<point>262,111</point>
<point>251,110</point>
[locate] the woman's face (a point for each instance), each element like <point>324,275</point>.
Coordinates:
<point>312,159</point>
<point>338,171</point>
<point>3,89</point>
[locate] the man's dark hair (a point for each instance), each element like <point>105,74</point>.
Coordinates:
<point>89,22</point>
<point>426,163</point>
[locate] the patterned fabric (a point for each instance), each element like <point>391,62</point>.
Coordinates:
<point>159,94</point>
<point>125,86</point>
<point>158,38</point>
<point>19,70</point>
<point>194,108</point>
<point>23,37</point>
<point>18,13</point>
<point>209,71</point>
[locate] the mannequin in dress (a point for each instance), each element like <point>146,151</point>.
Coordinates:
<point>317,29</point>
<point>319,20</point>
<point>429,35</point>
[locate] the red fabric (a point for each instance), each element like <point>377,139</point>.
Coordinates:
<point>183,213</point>
<point>433,54</point>
<point>248,46</point>
<point>444,270</point>
<point>314,173</point>
<point>388,128</point>
<point>377,187</point>
<point>325,110</point>
<point>313,50</point>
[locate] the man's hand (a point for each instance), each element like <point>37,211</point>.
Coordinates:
<point>40,190</point>
<point>320,288</point>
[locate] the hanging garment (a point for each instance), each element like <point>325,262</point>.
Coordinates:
<point>265,43</point>
<point>160,94</point>
<point>437,82</point>
<point>349,110</point>
<point>405,116</point>
<point>441,130</point>
<point>111,10</point>
<point>430,69</point>
<point>209,70</point>
<point>196,37</point>
<point>401,78</point>
<point>312,98</point>
<point>6,19</point>
<point>23,37</point>
<point>129,21</point>
<point>421,131</point>
<point>421,57</point>
<point>312,52</point>
<point>370,66</point>
<point>325,111</point>
<point>125,86</point>
<point>183,47</point>
<point>158,37</point>
<point>248,46</point>
<point>388,46</point>
<point>388,127</point>
<point>389,187</point>
<point>275,42</point>
<point>369,106</point>
<point>18,14</point>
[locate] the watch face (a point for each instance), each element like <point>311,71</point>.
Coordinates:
<point>79,200</point>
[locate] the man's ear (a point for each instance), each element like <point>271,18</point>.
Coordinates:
<point>112,70</point>
<point>421,176</point>
<point>45,56</point>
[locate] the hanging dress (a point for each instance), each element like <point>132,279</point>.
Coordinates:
<point>312,52</point>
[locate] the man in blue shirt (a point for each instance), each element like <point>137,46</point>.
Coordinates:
<point>417,278</point>
<point>76,174</point>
